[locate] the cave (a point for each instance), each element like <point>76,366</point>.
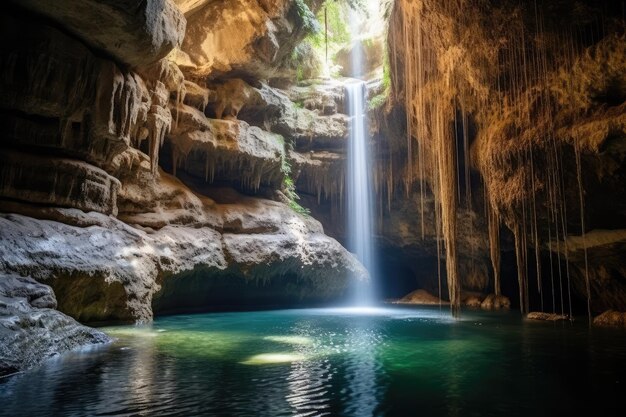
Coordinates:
<point>312,207</point>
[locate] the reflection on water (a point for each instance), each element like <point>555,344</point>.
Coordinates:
<point>335,362</point>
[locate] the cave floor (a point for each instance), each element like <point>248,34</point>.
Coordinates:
<point>390,361</point>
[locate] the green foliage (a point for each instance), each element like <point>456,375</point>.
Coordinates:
<point>378,100</point>
<point>289,188</point>
<point>386,71</point>
<point>338,31</point>
<point>292,195</point>
<point>329,29</point>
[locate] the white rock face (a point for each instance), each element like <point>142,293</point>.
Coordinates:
<point>110,270</point>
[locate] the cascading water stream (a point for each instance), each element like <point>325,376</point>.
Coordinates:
<point>359,187</point>
<point>360,204</point>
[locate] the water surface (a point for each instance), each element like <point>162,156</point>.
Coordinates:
<point>335,362</point>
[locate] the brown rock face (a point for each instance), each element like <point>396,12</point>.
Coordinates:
<point>250,37</point>
<point>610,318</point>
<point>135,32</point>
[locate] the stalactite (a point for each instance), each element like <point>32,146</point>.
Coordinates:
<point>582,229</point>
<point>520,255</point>
<point>493,223</point>
<point>508,80</point>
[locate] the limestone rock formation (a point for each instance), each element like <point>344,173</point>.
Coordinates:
<point>57,182</point>
<point>495,302</point>
<point>58,96</point>
<point>31,330</point>
<point>228,150</point>
<point>514,101</point>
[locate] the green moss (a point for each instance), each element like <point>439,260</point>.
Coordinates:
<point>378,100</point>
<point>308,20</point>
<point>386,71</point>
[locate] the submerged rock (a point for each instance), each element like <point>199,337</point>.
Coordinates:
<point>495,302</point>
<point>538,315</point>
<point>611,318</point>
<point>420,297</point>
<point>472,301</point>
<point>31,330</point>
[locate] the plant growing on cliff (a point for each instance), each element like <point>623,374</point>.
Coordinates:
<point>380,99</point>
<point>327,32</point>
<point>289,188</point>
<point>292,195</point>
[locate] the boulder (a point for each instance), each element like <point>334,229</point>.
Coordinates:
<point>106,270</point>
<point>495,302</point>
<point>31,330</point>
<point>472,301</point>
<point>610,318</point>
<point>420,297</point>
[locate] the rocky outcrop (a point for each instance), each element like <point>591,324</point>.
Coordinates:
<point>108,270</point>
<point>226,150</point>
<point>59,97</point>
<point>90,117</point>
<point>31,330</point>
<point>495,302</point>
<point>244,37</point>
<point>542,139</point>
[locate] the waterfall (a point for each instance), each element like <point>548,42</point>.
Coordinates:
<point>359,176</point>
